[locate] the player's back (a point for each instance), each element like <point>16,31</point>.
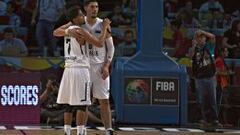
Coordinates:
<point>75,55</point>
<point>96,54</point>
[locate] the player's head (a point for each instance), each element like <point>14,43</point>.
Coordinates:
<point>75,15</point>
<point>8,33</point>
<point>91,8</point>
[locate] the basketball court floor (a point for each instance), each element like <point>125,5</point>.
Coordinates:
<point>47,130</point>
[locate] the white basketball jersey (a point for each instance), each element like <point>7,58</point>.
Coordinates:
<point>75,55</point>
<point>96,54</point>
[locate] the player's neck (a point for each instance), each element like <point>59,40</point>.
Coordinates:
<point>91,21</point>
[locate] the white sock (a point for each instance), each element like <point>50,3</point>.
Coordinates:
<point>80,130</point>
<point>67,129</point>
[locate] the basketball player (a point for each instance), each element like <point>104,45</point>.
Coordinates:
<point>100,59</point>
<point>74,89</point>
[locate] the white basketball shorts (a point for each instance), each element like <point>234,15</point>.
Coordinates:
<point>75,87</point>
<point>100,87</point>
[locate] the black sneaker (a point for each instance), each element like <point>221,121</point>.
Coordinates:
<point>109,132</point>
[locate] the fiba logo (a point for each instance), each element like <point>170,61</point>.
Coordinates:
<point>19,95</point>
<point>138,91</point>
<point>165,86</point>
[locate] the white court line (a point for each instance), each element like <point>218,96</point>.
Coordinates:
<point>234,131</point>
<point>171,129</point>
<point>33,128</point>
<point>126,129</point>
<point>146,128</point>
<point>194,130</point>
<point>100,128</point>
<point>3,128</point>
<point>21,127</point>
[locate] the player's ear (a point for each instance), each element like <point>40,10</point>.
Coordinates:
<point>74,20</point>
<point>85,8</point>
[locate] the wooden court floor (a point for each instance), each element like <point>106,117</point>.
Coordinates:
<point>97,132</point>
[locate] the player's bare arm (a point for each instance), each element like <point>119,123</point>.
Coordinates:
<point>105,69</point>
<point>80,33</point>
<point>110,52</point>
<point>98,42</point>
<point>61,31</point>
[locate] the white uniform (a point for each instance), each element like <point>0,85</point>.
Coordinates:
<point>97,58</point>
<point>75,84</point>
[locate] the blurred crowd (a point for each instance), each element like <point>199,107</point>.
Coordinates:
<point>26,26</point>
<point>183,19</point>
<point>32,23</point>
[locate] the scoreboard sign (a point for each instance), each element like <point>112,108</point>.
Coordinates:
<point>19,101</point>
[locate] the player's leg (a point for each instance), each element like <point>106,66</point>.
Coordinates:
<point>81,118</point>
<point>106,115</point>
<point>68,120</point>
<point>101,92</point>
<point>63,98</point>
<point>83,98</point>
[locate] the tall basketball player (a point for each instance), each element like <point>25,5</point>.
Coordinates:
<point>74,89</point>
<point>100,60</point>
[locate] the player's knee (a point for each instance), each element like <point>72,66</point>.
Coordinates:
<point>69,109</point>
<point>104,102</point>
<point>80,108</point>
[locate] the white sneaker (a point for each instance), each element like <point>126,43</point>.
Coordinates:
<point>109,132</point>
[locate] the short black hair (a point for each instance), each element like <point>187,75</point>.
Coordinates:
<point>8,30</point>
<point>86,2</point>
<point>72,13</point>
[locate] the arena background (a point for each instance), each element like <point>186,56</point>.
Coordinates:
<point>35,71</point>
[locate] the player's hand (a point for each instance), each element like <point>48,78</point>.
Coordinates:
<point>105,72</point>
<point>74,33</point>
<point>106,23</point>
<point>81,41</point>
